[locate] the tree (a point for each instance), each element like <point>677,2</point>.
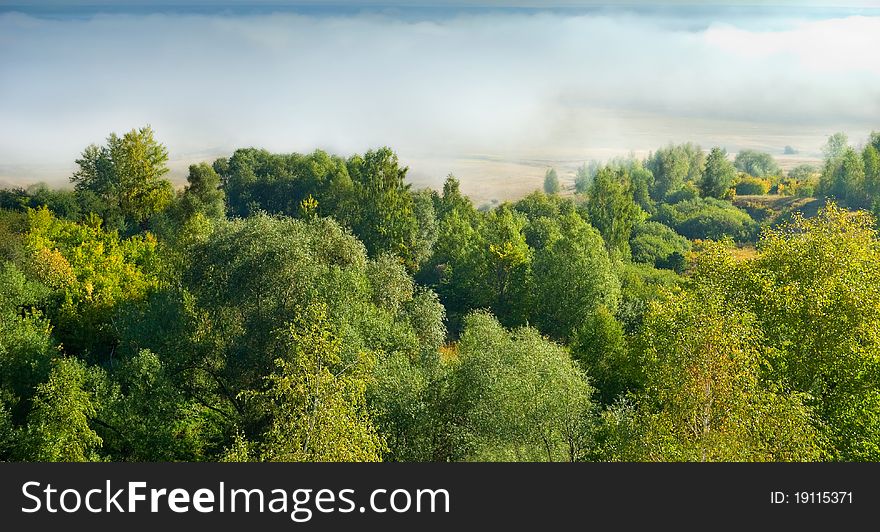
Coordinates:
<point>313,403</point>
<point>656,244</point>
<point>673,166</point>
<point>26,352</point>
<point>871,156</point>
<point>815,287</point>
<point>505,262</point>
<point>203,193</point>
<point>127,174</point>
<point>707,218</point>
<point>521,396</point>
<point>599,346</point>
<point>612,210</point>
<point>572,276</point>
<point>59,422</point>
<point>843,178</point>
<point>719,175</point>
<point>835,146</point>
<point>704,399</point>
<point>584,176</point>
<point>91,273</point>
<point>756,163</point>
<point>551,182</point>
<point>383,217</point>
<point>423,209</point>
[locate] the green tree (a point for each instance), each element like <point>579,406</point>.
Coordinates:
<point>572,276</point>
<point>203,193</point>
<point>551,182</point>
<point>612,210</point>
<point>384,217</point>
<point>91,273</point>
<point>815,287</point>
<point>843,178</point>
<point>599,346</point>
<point>128,175</point>
<point>673,166</point>
<point>521,396</point>
<point>707,218</point>
<point>756,163</point>
<point>314,404</point>
<point>656,244</point>
<point>59,424</point>
<point>835,146</point>
<point>719,175</point>
<point>704,398</point>
<point>584,176</point>
<point>505,262</point>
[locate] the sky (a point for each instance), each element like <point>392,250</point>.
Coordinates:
<point>495,92</point>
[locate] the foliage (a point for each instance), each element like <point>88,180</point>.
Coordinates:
<point>657,244</point>
<point>673,166</point>
<point>91,273</point>
<point>203,194</point>
<point>127,175</point>
<point>551,182</point>
<point>815,287</point>
<point>522,396</point>
<point>707,218</point>
<point>719,175</point>
<point>756,164</point>
<point>584,176</point>
<point>572,276</point>
<point>338,315</point>
<point>612,210</point>
<point>313,403</point>
<point>58,425</point>
<point>752,186</point>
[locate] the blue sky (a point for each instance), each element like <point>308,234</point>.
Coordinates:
<point>503,81</point>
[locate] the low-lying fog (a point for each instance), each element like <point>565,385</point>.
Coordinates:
<point>492,95</point>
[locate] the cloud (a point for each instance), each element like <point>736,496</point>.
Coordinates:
<point>502,83</point>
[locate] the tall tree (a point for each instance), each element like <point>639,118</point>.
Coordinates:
<point>612,210</point>
<point>756,163</point>
<point>551,182</point>
<point>203,193</point>
<point>383,217</point>
<point>835,146</point>
<point>719,175</point>
<point>704,399</point>
<point>520,396</point>
<point>128,174</point>
<point>572,275</point>
<point>673,166</point>
<point>815,288</point>
<point>313,403</point>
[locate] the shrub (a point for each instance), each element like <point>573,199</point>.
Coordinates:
<point>708,218</point>
<point>752,186</point>
<point>655,243</point>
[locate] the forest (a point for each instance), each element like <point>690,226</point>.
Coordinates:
<point>687,306</point>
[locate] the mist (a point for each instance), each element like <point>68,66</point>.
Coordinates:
<point>487,94</point>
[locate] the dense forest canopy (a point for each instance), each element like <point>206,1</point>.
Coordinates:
<point>310,307</point>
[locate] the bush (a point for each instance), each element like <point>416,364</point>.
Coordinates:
<point>685,193</point>
<point>708,218</point>
<point>655,243</point>
<point>806,189</point>
<point>752,186</point>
